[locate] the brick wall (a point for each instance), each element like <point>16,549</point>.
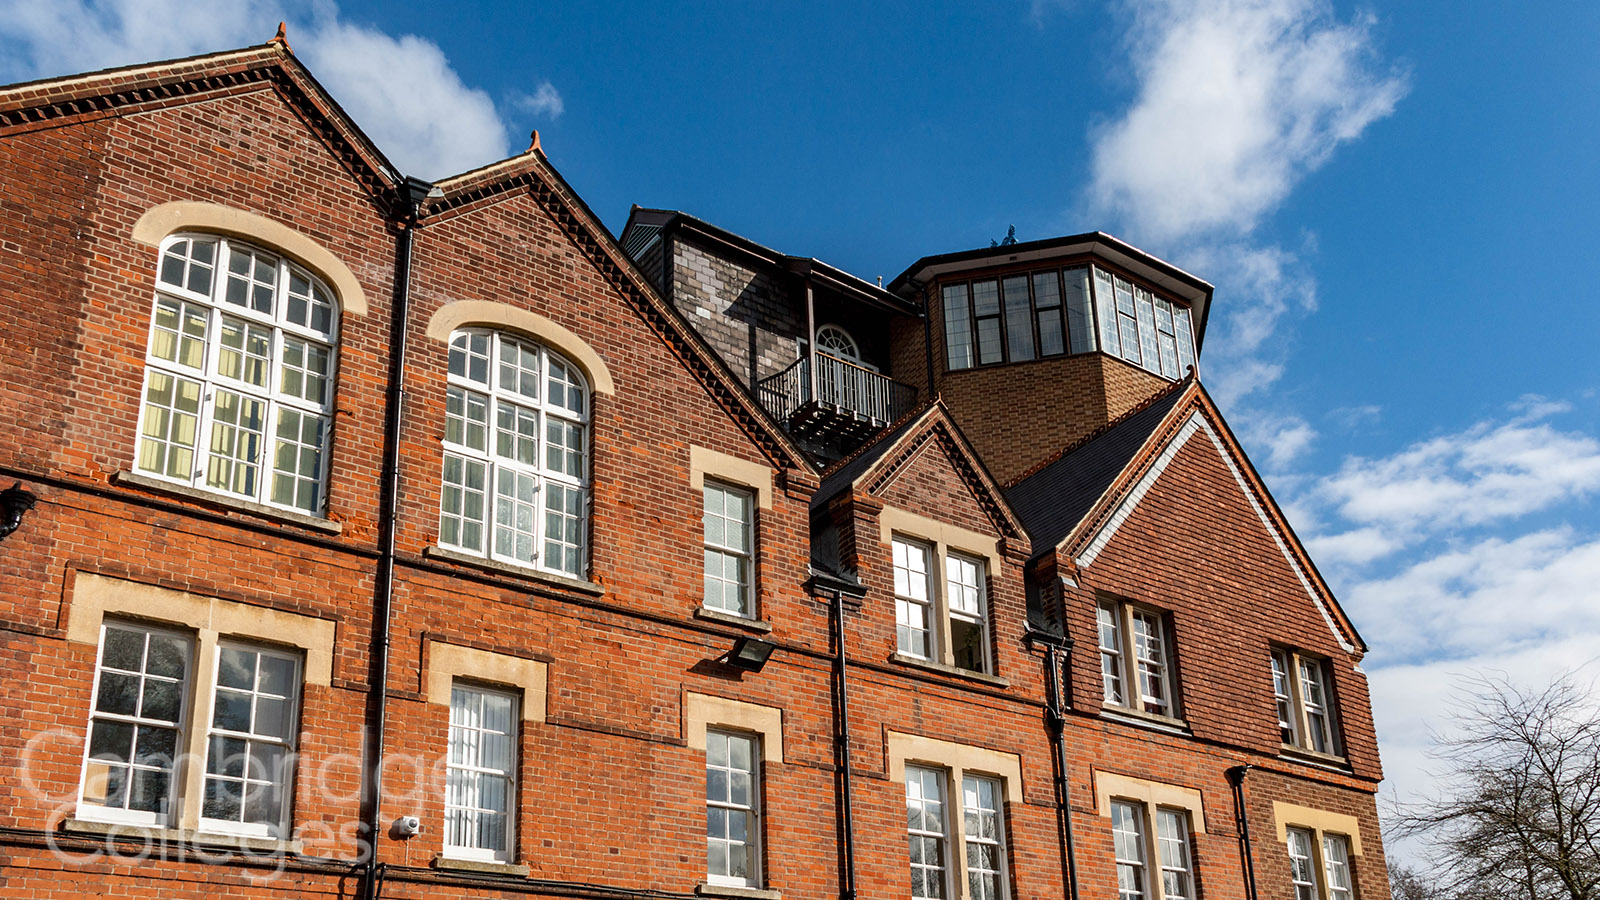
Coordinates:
<point>610,792</point>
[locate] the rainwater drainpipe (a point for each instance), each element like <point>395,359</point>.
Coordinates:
<point>927,334</point>
<point>414,191</point>
<point>1056,649</point>
<point>1242,821</point>
<point>836,589</point>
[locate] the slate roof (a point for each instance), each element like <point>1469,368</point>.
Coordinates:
<point>1056,497</point>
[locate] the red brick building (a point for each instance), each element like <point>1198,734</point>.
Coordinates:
<point>402,539</point>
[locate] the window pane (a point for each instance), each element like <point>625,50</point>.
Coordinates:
<point>1110,626</point>
<point>1172,841</point>
<point>1047,300</point>
<point>731,805</point>
<point>984,837</point>
<point>1079,318</point>
<point>912,604</point>
<point>1105,310</point>
<point>480,782</point>
<point>1185,339</point>
<point>133,734</point>
<point>989,340</point>
<point>1019,319</point>
<point>926,831</point>
<point>1301,871</point>
<point>957,327</point>
<point>1128,841</point>
<point>1147,329</point>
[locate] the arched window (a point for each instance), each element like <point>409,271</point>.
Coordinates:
<point>238,387</point>
<point>515,453</point>
<point>833,339</point>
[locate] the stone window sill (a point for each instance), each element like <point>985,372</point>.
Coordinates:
<point>145,482</point>
<point>164,836</point>
<point>478,866</point>
<point>1313,758</point>
<point>929,665</point>
<point>724,890</point>
<point>1146,720</point>
<point>722,618</point>
<point>502,568</point>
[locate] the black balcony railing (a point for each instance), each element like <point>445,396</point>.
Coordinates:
<point>850,399</point>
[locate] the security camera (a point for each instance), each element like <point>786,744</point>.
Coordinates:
<point>406,826</point>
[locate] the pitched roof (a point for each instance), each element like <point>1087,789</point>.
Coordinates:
<point>874,465</point>
<point>56,101</point>
<point>1076,513</point>
<point>1055,497</point>
<point>53,102</point>
<point>531,173</point>
<point>843,473</point>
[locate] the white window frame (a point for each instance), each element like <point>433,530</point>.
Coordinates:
<point>1320,862</point>
<point>907,579</point>
<point>1159,855</point>
<point>972,609</point>
<point>973,813</point>
<point>1303,863</point>
<point>285,743</point>
<point>94,812</point>
<point>513,739</point>
<point>496,468</point>
<point>724,550</point>
<point>1134,660</point>
<point>959,835</point>
<point>276,402</point>
<point>1130,846</point>
<point>1174,853</point>
<point>1305,713</point>
<point>190,769</point>
<point>729,806</point>
<point>943,581</point>
<point>918,781</point>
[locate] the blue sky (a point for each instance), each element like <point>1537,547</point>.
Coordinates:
<point>1397,203</point>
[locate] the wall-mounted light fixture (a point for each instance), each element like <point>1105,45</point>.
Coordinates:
<point>749,654</point>
<point>14,502</point>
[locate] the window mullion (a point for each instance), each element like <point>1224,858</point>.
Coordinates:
<point>1152,849</point>
<point>1301,714</point>
<point>1133,690</point>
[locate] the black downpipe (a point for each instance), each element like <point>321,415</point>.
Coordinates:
<point>1241,819</point>
<point>1055,650</point>
<point>414,192</point>
<point>927,342</point>
<point>841,737</point>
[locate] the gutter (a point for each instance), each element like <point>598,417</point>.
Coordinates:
<point>414,192</point>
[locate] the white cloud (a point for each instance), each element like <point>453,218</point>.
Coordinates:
<point>407,98</point>
<point>544,101</point>
<point>402,90</point>
<point>1491,595</point>
<point>1237,101</point>
<point>1488,472</point>
<point>1350,417</point>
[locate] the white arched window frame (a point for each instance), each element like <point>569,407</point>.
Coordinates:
<point>516,453</point>
<point>239,369</point>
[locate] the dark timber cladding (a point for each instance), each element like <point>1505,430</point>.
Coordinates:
<point>667,566</point>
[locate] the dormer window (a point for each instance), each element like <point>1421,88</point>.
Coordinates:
<point>1055,312</point>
